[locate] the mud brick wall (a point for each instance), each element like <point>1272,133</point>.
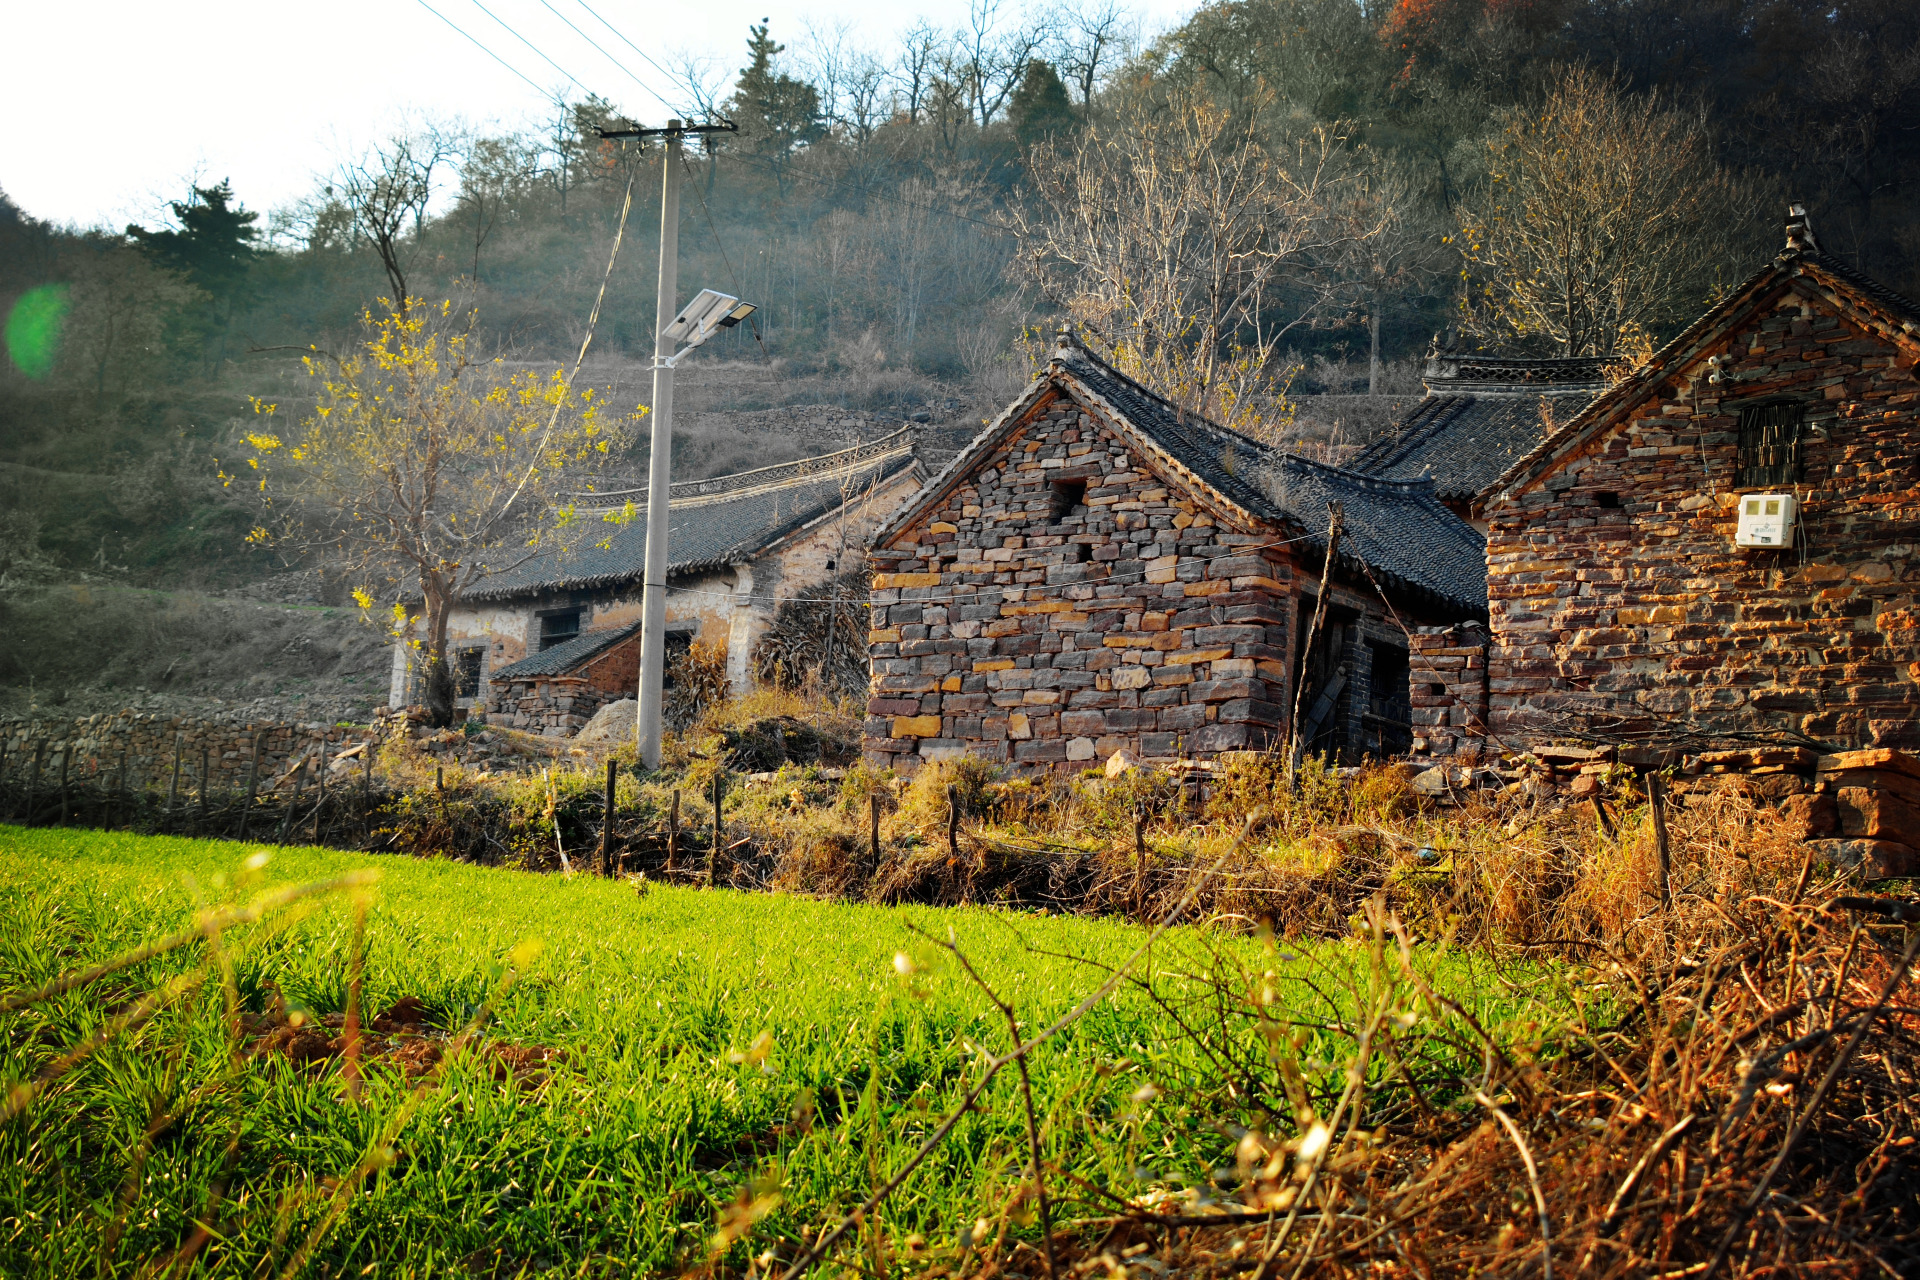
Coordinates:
<point>93,746</point>
<point>1141,621</point>
<point>1448,678</point>
<point>1619,598</point>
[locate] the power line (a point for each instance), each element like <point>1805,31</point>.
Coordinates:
<point>623,40</point>
<point>536,52</point>
<point>609,57</point>
<point>726,260</point>
<point>461,31</point>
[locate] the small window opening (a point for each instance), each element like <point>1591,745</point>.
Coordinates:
<point>558,628</point>
<point>1607,498</point>
<point>1770,438</point>
<point>830,566</point>
<point>1067,494</point>
<point>466,672</point>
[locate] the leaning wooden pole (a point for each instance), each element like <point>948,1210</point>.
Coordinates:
<point>1335,523</point>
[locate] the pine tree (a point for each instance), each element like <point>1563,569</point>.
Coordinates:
<point>216,243</point>
<point>777,114</point>
<point>1040,106</point>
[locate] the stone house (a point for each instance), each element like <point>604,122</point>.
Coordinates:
<point>1480,416</point>
<point>544,644</point>
<point>1098,571</point>
<point>1622,601</point>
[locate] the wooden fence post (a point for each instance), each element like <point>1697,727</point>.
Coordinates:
<point>293,803</point>
<point>606,825</point>
<point>673,829</point>
<point>713,854</point>
<point>873,820</point>
<point>33,780</point>
<point>253,788</point>
<point>173,787</point>
<point>1656,800</point>
<point>321,803</point>
<point>953,821</point>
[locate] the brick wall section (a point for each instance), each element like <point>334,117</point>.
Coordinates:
<point>1144,623</point>
<point>97,742</point>
<point>1647,616</point>
<point>1448,677</point>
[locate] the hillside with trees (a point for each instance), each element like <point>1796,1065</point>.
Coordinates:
<point>1277,199</point>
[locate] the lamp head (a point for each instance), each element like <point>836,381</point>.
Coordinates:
<point>709,311</point>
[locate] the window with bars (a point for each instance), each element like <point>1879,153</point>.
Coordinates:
<point>1770,437</point>
<point>558,628</point>
<point>466,671</point>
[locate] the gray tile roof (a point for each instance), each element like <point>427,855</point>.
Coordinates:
<point>714,523</point>
<point>567,655</point>
<point>1465,442</point>
<point>1397,526</point>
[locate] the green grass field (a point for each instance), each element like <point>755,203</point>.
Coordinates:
<point>754,1060</point>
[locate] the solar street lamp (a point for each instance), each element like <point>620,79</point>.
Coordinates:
<point>685,329</point>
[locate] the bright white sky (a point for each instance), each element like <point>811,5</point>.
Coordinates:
<point>111,108</point>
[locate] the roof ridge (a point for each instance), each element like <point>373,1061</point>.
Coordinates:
<point>797,470</point>
<point>1414,486</point>
<point>1182,417</point>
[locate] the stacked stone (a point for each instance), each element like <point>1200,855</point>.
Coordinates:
<point>1447,674</point>
<point>1616,588</point>
<point>92,746</point>
<point>1142,621</point>
<point>551,706</point>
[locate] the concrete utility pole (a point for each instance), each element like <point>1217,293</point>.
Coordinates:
<point>653,591</point>
<point>653,583</point>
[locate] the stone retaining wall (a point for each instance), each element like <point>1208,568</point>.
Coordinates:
<point>95,745</point>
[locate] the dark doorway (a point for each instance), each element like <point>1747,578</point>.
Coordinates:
<point>1324,679</point>
<point>1387,725</point>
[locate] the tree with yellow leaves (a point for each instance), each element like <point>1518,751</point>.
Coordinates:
<point>426,469</point>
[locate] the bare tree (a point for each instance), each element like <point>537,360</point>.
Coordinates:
<point>1392,250</point>
<point>1167,236</point>
<point>1606,221</point>
<point>495,176</point>
<point>913,73</point>
<point>702,81</point>
<point>1095,36</point>
<point>385,195</point>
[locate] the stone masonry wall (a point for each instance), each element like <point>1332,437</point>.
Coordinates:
<point>1448,676</point>
<point>1141,622</point>
<point>94,745</point>
<point>552,706</point>
<point>1618,595</point>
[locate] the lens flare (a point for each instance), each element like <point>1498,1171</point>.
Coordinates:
<point>33,329</point>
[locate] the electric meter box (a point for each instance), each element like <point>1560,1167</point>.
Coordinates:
<point>1766,520</point>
